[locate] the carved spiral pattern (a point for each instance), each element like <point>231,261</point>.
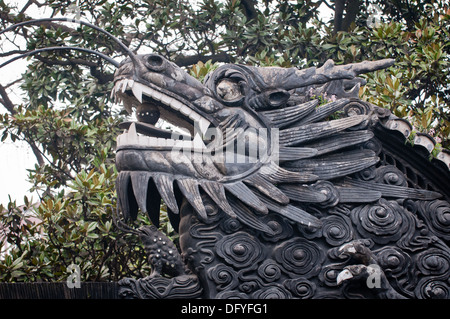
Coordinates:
<point>328,274</point>
<point>300,256</point>
<point>394,261</point>
<point>248,286</point>
<point>301,287</point>
<point>230,225</point>
<point>374,145</point>
<point>337,230</point>
<point>240,250</point>
<point>434,262</point>
<point>383,222</point>
<point>212,210</point>
<point>356,108</point>
<point>280,227</point>
<point>269,271</point>
<point>437,215</point>
<point>429,288</point>
<point>329,191</point>
<point>223,276</point>
<point>367,174</point>
<point>272,292</point>
<point>390,175</point>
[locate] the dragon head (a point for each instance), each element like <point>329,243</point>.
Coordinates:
<point>226,136</point>
<point>213,132</point>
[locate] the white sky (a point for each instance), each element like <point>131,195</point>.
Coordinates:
<point>17,157</point>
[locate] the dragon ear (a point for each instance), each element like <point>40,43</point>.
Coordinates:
<point>293,78</point>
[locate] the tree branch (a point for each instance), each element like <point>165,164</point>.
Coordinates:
<point>13,19</point>
<point>93,67</point>
<point>9,105</point>
<point>6,101</point>
<point>342,22</point>
<point>249,7</point>
<point>12,52</point>
<point>338,15</point>
<point>351,11</point>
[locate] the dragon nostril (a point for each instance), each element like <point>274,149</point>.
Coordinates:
<point>278,97</point>
<point>155,62</point>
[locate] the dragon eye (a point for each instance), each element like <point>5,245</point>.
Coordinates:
<point>229,90</point>
<point>155,62</point>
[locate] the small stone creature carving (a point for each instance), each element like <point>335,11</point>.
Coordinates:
<point>163,254</point>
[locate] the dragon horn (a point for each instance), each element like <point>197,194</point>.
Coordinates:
<point>292,78</point>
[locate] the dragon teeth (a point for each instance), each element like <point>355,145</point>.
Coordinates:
<point>139,90</point>
<point>130,137</point>
<point>164,183</point>
<point>157,95</point>
<point>132,134</point>
<point>203,125</point>
<point>175,104</point>
<point>185,110</point>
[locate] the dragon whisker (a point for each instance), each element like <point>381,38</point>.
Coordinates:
<point>61,48</point>
<point>122,46</point>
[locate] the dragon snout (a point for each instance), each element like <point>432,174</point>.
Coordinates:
<point>270,99</point>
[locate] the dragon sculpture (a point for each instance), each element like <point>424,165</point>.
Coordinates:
<point>274,191</point>
<point>271,197</point>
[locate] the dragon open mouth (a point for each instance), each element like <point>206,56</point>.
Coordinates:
<point>188,127</point>
<point>271,144</point>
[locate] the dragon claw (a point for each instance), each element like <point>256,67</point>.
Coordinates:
<point>358,272</point>
<point>344,275</point>
<point>357,251</point>
<point>366,269</point>
<point>360,253</point>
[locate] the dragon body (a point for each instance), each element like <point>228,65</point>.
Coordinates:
<point>274,195</point>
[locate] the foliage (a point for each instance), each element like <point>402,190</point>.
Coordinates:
<point>71,124</point>
<point>73,228</point>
